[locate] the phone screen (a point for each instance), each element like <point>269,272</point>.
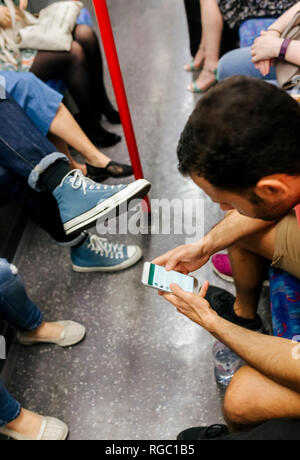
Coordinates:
<point>161,279</point>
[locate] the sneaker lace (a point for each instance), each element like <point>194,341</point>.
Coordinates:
<point>104,248</point>
<point>78,180</point>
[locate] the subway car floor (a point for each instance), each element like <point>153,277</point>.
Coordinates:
<point>144,371</point>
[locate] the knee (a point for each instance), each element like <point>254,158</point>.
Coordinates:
<point>8,272</point>
<point>236,406</point>
<point>224,67</point>
<point>236,62</point>
<point>85,36</point>
<point>77,54</point>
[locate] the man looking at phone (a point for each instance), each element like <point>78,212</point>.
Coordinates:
<point>241,146</point>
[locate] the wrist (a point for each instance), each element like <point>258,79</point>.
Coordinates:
<point>213,323</point>
<point>208,245</point>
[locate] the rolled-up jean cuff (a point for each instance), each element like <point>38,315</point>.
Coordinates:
<point>15,411</point>
<point>41,168</point>
<point>35,325</point>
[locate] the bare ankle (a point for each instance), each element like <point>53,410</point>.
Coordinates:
<point>243,312</point>
<point>27,423</point>
<point>46,331</point>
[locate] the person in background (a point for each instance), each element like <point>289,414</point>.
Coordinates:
<point>81,70</point>
<point>214,15</point>
<point>44,107</point>
<point>193,13</point>
<point>257,61</point>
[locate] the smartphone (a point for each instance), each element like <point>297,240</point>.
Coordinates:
<point>157,277</point>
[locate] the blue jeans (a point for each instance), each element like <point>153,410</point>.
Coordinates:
<point>238,62</point>
<point>24,151</point>
<point>24,154</point>
<point>40,206</point>
<point>19,311</point>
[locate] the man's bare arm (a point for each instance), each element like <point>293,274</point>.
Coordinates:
<point>191,257</point>
<point>276,358</point>
<point>231,229</point>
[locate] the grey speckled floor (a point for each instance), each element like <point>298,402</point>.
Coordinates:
<point>144,371</point>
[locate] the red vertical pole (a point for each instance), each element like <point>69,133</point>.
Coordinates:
<point>108,41</point>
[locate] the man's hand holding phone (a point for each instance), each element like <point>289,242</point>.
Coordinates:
<point>193,306</point>
<point>186,259</point>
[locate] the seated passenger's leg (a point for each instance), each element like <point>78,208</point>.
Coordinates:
<point>88,252</point>
<point>253,398</point>
<point>27,153</point>
<point>44,107</point>
<point>73,68</point>
<point>15,306</point>
<point>19,311</point>
<point>87,38</point>
<point>250,259</point>
<point>10,409</point>
<point>9,186</point>
<point>43,210</point>
<point>238,62</point>
<point>212,24</point>
<point>23,149</point>
<point>99,166</point>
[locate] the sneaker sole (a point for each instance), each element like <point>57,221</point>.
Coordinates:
<point>127,264</point>
<point>136,190</point>
<point>230,279</point>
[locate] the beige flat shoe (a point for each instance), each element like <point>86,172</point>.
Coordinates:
<point>72,334</point>
<point>52,429</point>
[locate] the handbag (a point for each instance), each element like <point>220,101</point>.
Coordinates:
<point>50,31</point>
<point>288,75</point>
<point>53,31</point>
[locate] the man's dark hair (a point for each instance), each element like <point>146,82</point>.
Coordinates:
<point>240,131</point>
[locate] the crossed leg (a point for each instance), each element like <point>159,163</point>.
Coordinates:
<point>251,256</point>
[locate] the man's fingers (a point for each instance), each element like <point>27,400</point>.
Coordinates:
<point>170,263</point>
<point>203,290</point>
<point>187,299</point>
<point>181,294</point>
<point>166,261</point>
<point>172,299</point>
<point>265,67</point>
<point>162,260</point>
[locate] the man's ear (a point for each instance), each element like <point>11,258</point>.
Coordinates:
<point>272,189</point>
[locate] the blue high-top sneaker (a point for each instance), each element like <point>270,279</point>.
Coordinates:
<point>98,255</point>
<point>82,201</point>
